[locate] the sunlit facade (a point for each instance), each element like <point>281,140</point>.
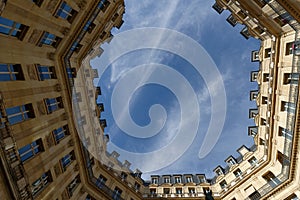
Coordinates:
<point>270,168</point>
<point>53,144</point>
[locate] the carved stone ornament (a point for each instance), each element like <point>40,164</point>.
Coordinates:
<point>41,107</point>
<point>2,5</point>
<point>50,55</point>
<point>51,5</point>
<point>81,4</point>
<point>35,36</point>
<point>32,72</point>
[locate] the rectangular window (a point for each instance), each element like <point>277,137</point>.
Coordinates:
<point>11,28</point>
<point>289,48</point>
<point>31,150</point>
<point>20,113</point>
<point>189,179</point>
<point>289,78</point>
<point>11,72</point>
<point>268,53</point>
<point>202,178</point>
<point>263,122</point>
<point>191,190</point>
<point>177,179</point>
<point>223,184</point>
<point>137,186</point>
<point>265,77</point>
<point>38,2</point>
<point>117,193</point>
<point>67,160</point>
<point>71,72</point>
<point>285,133</point>
<point>155,180</point>
<point>166,179</point>
<point>49,39</point>
<point>264,100</point>
<point>152,191</point>
<point>252,161</point>
<point>237,173</point>
<point>46,72</point>
<point>288,107</point>
<point>66,12</point>
<point>89,26</point>
<point>271,179</point>
<point>53,104</point>
<point>166,190</point>
<point>73,185</point>
<point>178,190</point>
<point>41,183</point>
<point>101,181</point>
<point>103,4</point>
<point>60,133</point>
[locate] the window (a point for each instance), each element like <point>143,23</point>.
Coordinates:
<point>30,150</point>
<point>191,190</point>
<point>76,47</point>
<point>202,178</point>
<point>123,175</point>
<point>263,122</point>
<point>285,133</point>
<point>264,100</point>
<point>254,196</point>
<point>254,75</point>
<point>265,77</point>
<point>252,161</point>
<point>101,181</point>
<point>11,72</point>
<point>137,186</point>
<point>11,28</point>
<point>73,185</point>
<point>252,131</point>
<point>289,78</point>
<point>231,20</point>
<point>166,179</point>
<point>20,113</point>
<point>268,53</point>
<point>189,179</point>
<point>117,193</point>
<point>38,2</point>
<point>237,173</point>
<point>103,4</point>
<point>66,12</point>
<point>177,179</point>
<point>231,161</point>
<point>253,113</point>
<point>223,184</point>
<point>67,160</point>
<point>89,26</point>
<point>155,180</point>
<point>217,8</point>
<point>41,183</point>
<point>50,39</point>
<point>71,72</point>
<point>288,107</point>
<point>178,190</point>
<point>60,133</point>
<point>289,48</point>
<point>166,190</point>
<point>253,95</point>
<point>271,179</point>
<point>255,56</point>
<point>152,191</point>
<point>53,104</point>
<point>46,72</point>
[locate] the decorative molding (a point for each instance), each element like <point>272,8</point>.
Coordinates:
<point>32,72</point>
<point>35,36</point>
<point>81,4</point>
<point>65,30</point>
<point>57,87</point>
<point>50,55</point>
<point>41,107</point>
<point>2,5</point>
<point>51,5</point>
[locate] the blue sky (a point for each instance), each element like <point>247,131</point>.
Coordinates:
<point>231,54</point>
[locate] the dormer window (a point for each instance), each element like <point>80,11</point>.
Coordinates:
<point>219,171</point>
<point>177,179</point>
<point>166,179</point>
<point>252,131</point>
<point>154,180</point>
<point>252,113</point>
<point>231,161</point>
<point>253,95</point>
<point>202,178</point>
<point>254,56</point>
<point>189,179</point>
<point>254,76</point>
